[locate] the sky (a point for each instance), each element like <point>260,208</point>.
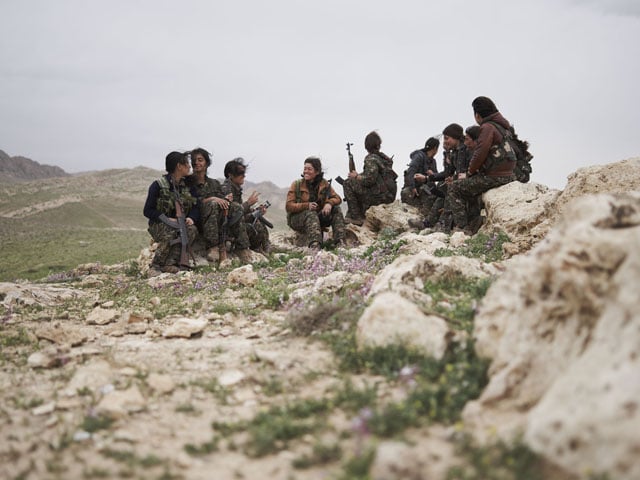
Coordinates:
<point>92,85</point>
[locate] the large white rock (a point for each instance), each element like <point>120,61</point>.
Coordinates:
<point>394,215</point>
<point>407,274</point>
<point>563,329</point>
<point>521,210</point>
<point>391,319</point>
<point>617,177</point>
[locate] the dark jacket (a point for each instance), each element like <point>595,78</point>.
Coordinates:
<point>489,137</point>
<point>456,162</point>
<point>420,163</point>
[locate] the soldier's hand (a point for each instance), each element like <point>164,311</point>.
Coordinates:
<point>326,210</point>
<point>188,221</point>
<point>313,206</point>
<point>415,192</point>
<point>353,174</point>
<point>224,204</point>
<point>253,198</point>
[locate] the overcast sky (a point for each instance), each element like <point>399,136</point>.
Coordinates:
<point>89,85</point>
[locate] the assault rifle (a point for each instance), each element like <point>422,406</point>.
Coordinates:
<point>224,233</point>
<point>258,215</point>
<point>325,220</point>
<point>179,224</point>
<point>352,164</point>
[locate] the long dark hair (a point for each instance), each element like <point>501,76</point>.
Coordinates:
<point>316,163</point>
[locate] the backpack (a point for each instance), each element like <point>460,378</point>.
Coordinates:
<point>388,187</point>
<point>523,158</point>
<point>518,149</point>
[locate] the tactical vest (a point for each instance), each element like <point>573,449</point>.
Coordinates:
<point>167,200</point>
<point>501,153</point>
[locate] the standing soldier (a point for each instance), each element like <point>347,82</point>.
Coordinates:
<point>214,208</point>
<point>160,209</point>
<point>312,204</point>
<point>234,173</point>
<point>374,186</point>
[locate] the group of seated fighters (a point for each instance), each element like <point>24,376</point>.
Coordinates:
<point>475,160</point>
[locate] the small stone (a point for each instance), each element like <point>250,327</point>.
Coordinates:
<point>101,316</point>
<point>231,377</point>
<point>44,409</point>
<point>185,328</point>
<point>108,304</point>
<point>160,383</point>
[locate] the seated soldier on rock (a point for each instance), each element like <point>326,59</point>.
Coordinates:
<point>455,167</point>
<point>418,189</point>
<point>163,198</point>
<point>234,173</point>
<point>312,204</point>
<point>374,186</point>
<point>218,215</point>
<point>491,166</point>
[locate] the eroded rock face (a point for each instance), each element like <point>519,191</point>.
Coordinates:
<point>617,177</point>
<point>562,326</point>
<point>521,210</point>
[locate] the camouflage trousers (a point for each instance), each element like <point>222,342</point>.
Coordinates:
<point>423,202</point>
<point>166,253</point>
<point>463,192</point>
<point>310,223</point>
<point>359,198</point>
<point>211,220</point>
<point>258,234</point>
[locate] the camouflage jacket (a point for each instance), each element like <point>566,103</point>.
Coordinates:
<point>210,188</point>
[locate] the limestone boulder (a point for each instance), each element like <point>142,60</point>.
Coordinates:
<point>562,328</point>
<point>391,319</point>
<point>408,273</point>
<point>394,216</point>
<point>521,210</point>
<point>617,177</point>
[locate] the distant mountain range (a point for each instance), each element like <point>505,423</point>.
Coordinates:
<point>21,169</point>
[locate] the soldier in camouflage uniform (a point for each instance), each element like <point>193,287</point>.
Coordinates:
<point>491,166</point>
<point>374,186</point>
<point>417,189</point>
<point>455,167</point>
<point>214,206</point>
<point>234,173</point>
<point>312,204</point>
<point>160,206</point>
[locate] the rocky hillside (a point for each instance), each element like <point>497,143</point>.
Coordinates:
<point>511,354</point>
<point>20,169</point>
